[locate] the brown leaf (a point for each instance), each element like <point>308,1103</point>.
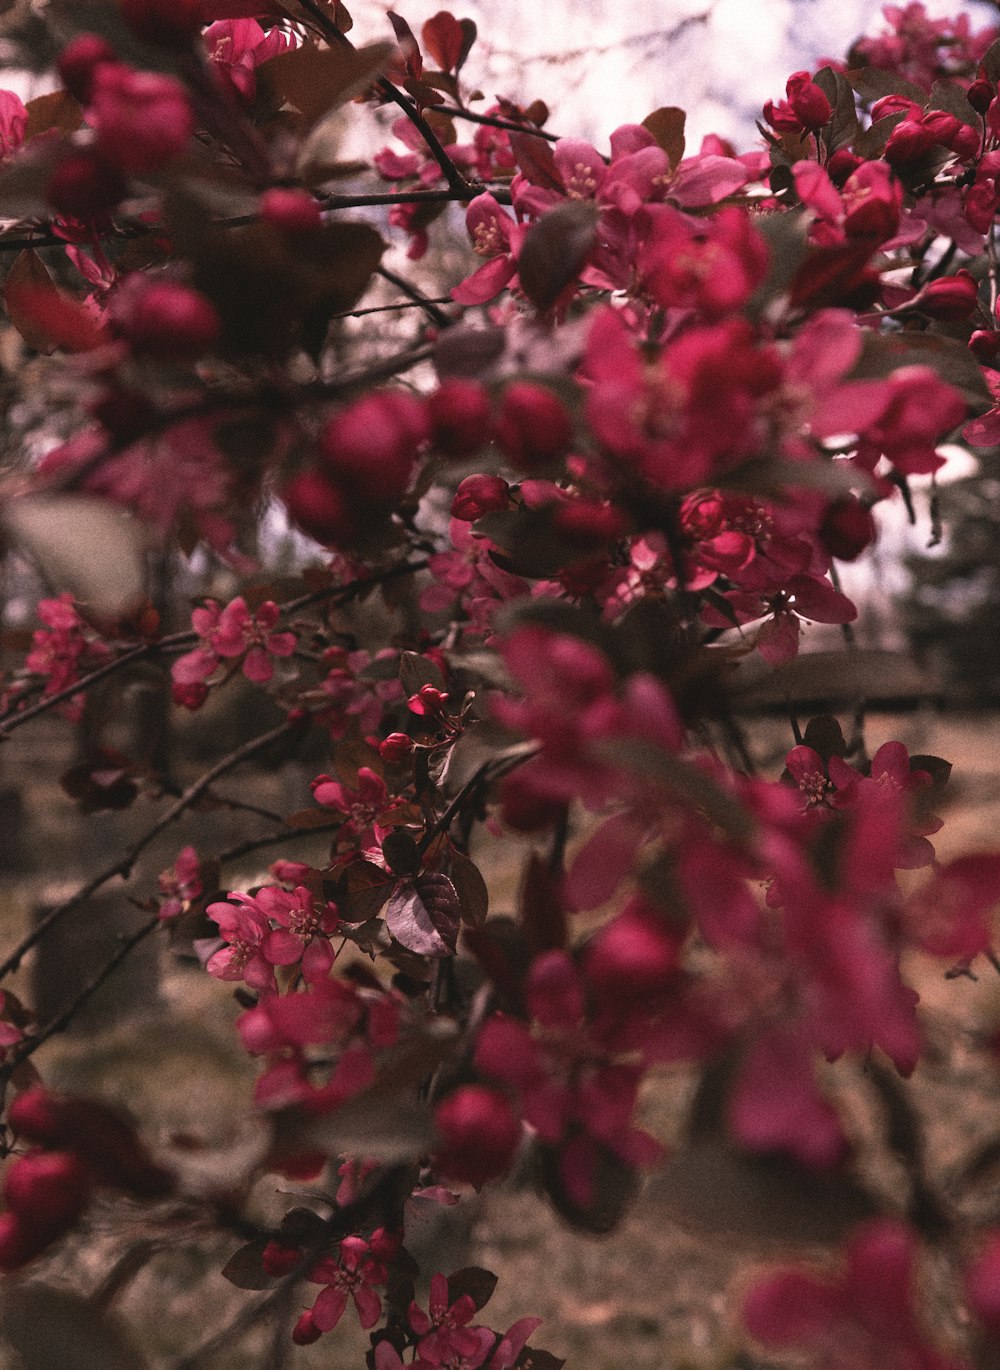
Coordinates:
<point>313,79</point>
<point>667,127</point>
<point>534,157</point>
<point>57,110</point>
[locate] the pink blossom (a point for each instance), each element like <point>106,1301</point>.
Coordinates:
<point>13,122</point>
<point>232,632</point>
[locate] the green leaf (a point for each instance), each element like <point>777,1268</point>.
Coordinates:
<point>84,545</point>
<point>53,1329</point>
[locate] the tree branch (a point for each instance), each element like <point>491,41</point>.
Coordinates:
<point>456,181</point>
<point>123,866</point>
<point>12,720</point>
<point>495,121</point>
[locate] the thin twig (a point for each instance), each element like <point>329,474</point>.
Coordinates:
<point>456,181</point>
<point>417,297</point>
<point>13,720</point>
<point>61,1021</point>
<point>123,866</point>
<point>494,121</point>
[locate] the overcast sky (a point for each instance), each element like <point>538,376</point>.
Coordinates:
<point>717,59</point>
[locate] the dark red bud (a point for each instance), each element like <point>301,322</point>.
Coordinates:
<point>82,186</point>
<point>319,508</point>
<point>980,95</point>
<point>534,427</point>
<point>395,748</point>
<point>77,62</point>
<point>478,495</point>
<point>293,212</point>
<point>480,1133</point>
<point>847,529</point>
<point>459,413</point>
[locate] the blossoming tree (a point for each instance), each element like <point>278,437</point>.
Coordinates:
<point>620,456</point>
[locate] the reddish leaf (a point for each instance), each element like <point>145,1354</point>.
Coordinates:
<point>534,157</point>
<point>45,316</point>
<point>240,9</point>
<point>474,1281</point>
<point>472,892</point>
<point>361,891</point>
<point>444,40</point>
<point>424,915</point>
<point>540,907</point>
<point>245,1268</point>
<point>408,46</point>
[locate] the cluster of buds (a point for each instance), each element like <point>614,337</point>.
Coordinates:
<point>77,1146</point>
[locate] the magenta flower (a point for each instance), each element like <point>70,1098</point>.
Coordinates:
<point>230,633</point>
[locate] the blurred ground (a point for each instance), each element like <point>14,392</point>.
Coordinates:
<point>659,1294</point>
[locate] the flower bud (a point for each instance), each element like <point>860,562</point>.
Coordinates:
<point>985,345</point>
<point>168,321</point>
<point>37,1116</point>
<point>809,103</point>
<point>78,61</point>
<point>459,413</point>
<point>305,1331</point>
<point>908,142</point>
<point>534,427</point>
<point>19,1242</point>
<point>847,528</point>
<point>980,95</point>
<point>319,508</point>
<point>189,696</point>
<point>588,525</point>
<point>279,1259</point>
<point>633,955</point>
<point>982,1284</point>
<point>842,164</point>
<point>480,1134</point>
<point>140,119</point>
<point>949,298</point>
<point>292,212</point>
<point>395,748</point>
<point>371,446</point>
<point>82,186</point>
<point>478,495</point>
<point>47,1189</point>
